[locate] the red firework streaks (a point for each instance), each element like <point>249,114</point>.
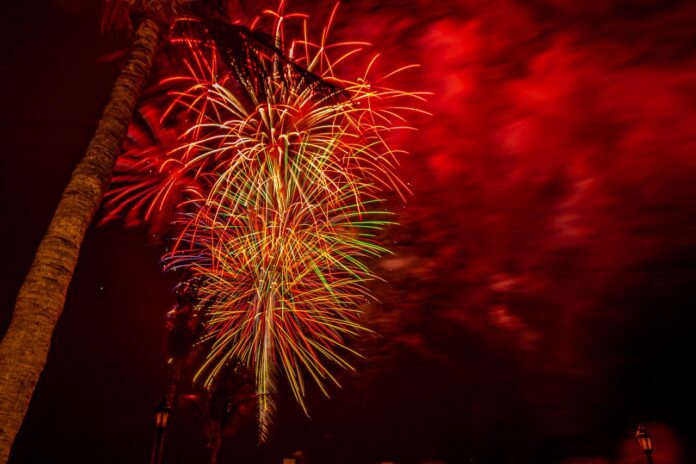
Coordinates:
<point>275,186</point>
<point>544,266</point>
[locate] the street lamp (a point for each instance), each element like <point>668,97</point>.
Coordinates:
<point>161,418</point>
<point>645,442</point>
<point>162,415</point>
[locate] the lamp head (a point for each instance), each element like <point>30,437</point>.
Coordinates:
<point>162,414</point>
<point>644,439</point>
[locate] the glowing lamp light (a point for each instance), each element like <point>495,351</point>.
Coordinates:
<point>644,439</point>
<point>645,442</point>
<point>162,415</point>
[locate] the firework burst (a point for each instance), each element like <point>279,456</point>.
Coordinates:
<point>278,183</point>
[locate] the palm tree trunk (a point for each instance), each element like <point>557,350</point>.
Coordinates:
<point>24,348</point>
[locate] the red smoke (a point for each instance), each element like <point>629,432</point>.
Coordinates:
<point>553,216</point>
<point>550,231</point>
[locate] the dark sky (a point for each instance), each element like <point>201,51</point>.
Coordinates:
<point>540,302</point>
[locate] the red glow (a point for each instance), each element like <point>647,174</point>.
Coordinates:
<point>540,304</point>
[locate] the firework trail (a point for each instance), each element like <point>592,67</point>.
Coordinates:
<point>277,182</point>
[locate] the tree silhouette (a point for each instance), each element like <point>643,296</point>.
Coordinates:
<point>41,298</point>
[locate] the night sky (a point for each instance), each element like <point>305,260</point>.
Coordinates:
<point>540,302</point>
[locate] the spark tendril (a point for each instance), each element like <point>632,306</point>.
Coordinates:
<point>277,185</point>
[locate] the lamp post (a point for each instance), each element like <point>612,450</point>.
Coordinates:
<point>645,442</point>
<point>161,418</point>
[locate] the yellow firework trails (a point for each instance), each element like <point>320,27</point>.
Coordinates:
<point>286,165</point>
